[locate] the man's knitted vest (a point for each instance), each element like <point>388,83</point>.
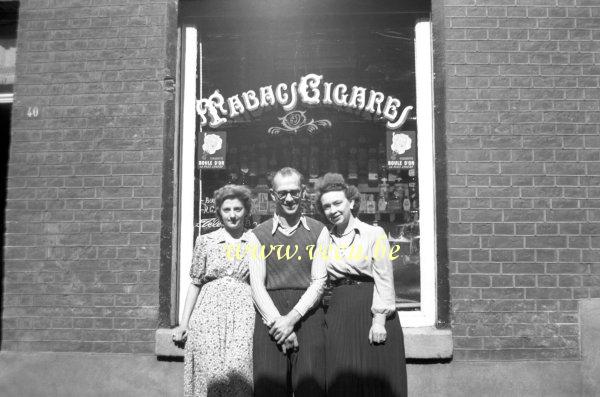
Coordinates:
<point>292,273</point>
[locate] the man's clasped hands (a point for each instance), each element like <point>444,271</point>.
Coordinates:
<point>282,331</point>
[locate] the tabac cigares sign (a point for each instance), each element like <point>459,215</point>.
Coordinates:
<point>311,89</point>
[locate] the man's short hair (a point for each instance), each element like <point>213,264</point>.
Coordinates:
<point>287,171</point>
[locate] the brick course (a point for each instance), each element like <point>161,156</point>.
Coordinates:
<point>84,182</point>
<point>523,165</point>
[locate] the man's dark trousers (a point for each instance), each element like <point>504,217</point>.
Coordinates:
<point>302,372</point>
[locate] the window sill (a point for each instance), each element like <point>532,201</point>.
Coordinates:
<point>427,342</point>
<point>419,343</point>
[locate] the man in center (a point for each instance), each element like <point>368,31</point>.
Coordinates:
<point>289,334</point>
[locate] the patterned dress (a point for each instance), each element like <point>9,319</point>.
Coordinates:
<point>218,351</point>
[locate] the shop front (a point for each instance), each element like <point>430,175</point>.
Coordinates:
<point>469,127</point>
<point>320,88</point>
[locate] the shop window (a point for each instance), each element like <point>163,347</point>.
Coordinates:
<point>323,90</point>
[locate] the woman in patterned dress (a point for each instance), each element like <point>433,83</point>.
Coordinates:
<point>364,341</point>
<point>218,316</point>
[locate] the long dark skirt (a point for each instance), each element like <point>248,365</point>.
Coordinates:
<point>354,366</point>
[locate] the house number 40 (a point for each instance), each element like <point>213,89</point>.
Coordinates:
<point>32,111</point>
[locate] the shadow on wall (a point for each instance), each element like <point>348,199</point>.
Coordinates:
<point>5,110</point>
<point>232,385</point>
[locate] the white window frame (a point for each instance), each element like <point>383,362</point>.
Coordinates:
<point>427,314</point>
<point>189,82</point>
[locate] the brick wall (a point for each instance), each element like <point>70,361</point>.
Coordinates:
<point>84,187</point>
<point>84,182</point>
<point>523,174</point>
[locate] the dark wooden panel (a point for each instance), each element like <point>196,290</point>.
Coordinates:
<point>285,8</point>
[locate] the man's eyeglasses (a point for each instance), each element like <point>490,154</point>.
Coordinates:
<point>282,194</point>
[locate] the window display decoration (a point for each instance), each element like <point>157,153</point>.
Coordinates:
<point>212,143</point>
<point>310,90</point>
<point>401,143</point>
<point>209,224</point>
<point>296,121</point>
<point>401,149</point>
<point>213,149</point>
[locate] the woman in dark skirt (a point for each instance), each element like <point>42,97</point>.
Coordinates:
<point>365,345</point>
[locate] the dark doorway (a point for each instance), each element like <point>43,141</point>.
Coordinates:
<point>9,11</point>
<point>5,110</point>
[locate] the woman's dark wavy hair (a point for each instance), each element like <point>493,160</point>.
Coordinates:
<point>239,192</point>
<point>332,182</point>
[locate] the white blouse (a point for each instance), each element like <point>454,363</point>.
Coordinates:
<point>365,251</point>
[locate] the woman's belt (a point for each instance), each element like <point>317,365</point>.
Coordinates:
<point>349,280</point>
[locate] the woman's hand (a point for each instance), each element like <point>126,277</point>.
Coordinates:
<point>377,333</point>
<point>179,334</point>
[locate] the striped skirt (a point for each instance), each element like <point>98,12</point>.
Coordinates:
<point>354,366</point>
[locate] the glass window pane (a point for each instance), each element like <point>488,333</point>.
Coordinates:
<point>357,54</point>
